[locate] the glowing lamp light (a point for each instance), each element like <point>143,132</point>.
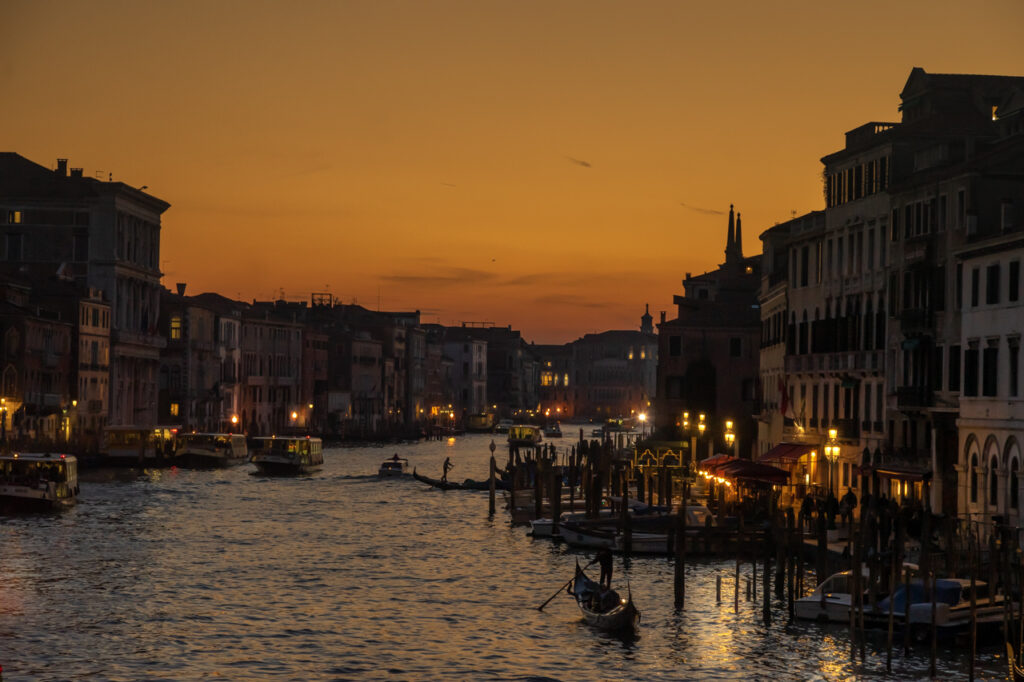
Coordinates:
<point>295,415</point>
<point>234,419</point>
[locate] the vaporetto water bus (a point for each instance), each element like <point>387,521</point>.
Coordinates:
<point>35,481</point>
<point>287,455</point>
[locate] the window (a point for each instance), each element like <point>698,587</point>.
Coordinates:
<point>735,347</point>
<point>174,409</point>
<point>961,208</point>
<point>14,217</point>
<point>992,284</point>
<point>13,247</point>
<point>975,282</point>
<point>993,482</point>
<point>971,371</point>
<point>675,346</point>
<point>1014,486</point>
<point>1013,286</point>
<point>871,249</point>
<point>974,479</point>
<point>805,254</point>
<point>1014,368</point>
<point>175,327</point>
<point>989,369</point>
<point>942,212</point>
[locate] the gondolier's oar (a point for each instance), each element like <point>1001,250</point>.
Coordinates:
<point>541,607</point>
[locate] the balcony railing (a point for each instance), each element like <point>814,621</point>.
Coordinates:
<point>913,397</point>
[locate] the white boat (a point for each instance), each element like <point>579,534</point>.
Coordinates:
<point>393,467</point>
<point>503,426</point>
<point>210,450</point>
<point>831,600</point>
<point>139,445</point>
<point>37,481</point>
<point>287,456</point>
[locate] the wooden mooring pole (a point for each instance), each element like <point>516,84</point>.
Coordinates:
<point>492,487</point>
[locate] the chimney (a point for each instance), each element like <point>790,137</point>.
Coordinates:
<point>663,317</point>
<point>76,172</point>
<point>62,167</point>
<point>181,288</point>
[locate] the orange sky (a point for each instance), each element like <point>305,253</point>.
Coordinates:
<point>432,155</point>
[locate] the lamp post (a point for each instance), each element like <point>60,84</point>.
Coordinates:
<point>3,420</point>
<point>643,424</point>
<point>701,426</point>
<point>832,455</point>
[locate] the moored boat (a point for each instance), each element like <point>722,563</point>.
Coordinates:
<point>525,435</point>
<point>35,481</point>
<point>480,422</point>
<point>210,450</point>
<point>832,599</point>
<point>952,608</point>
<point>393,466</point>
<point>553,430</point>
<point>287,456</point>
<point>146,446</point>
<point>602,608</point>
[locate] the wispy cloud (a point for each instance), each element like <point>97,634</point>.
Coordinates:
<point>443,276</point>
<point>698,209</point>
<point>579,162</point>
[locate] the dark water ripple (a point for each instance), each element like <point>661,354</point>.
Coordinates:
<point>181,575</point>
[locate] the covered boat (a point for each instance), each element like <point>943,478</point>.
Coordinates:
<point>287,456</point>
<point>209,450</point>
<point>602,608</point>
<point>34,481</point>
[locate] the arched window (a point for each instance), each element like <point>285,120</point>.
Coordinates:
<point>974,478</point>
<point>993,482</point>
<point>1014,486</point>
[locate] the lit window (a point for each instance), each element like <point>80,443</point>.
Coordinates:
<point>174,409</point>
<point>14,217</point>
<point>175,327</point>
<point>565,380</point>
<point>643,353</point>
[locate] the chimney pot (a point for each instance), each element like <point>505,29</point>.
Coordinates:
<point>62,167</point>
<point>181,288</point>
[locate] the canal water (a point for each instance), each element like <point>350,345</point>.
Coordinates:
<point>183,575</point>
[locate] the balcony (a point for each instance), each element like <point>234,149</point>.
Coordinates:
<point>913,398</point>
<point>916,320</point>
<point>847,429</point>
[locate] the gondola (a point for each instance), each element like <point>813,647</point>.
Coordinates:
<point>468,484</point>
<point>603,609</point>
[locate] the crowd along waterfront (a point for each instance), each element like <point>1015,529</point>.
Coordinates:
<point>176,574</point>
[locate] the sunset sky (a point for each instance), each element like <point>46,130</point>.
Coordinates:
<point>547,165</point>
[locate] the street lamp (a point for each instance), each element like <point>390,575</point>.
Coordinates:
<point>831,454</point>
<point>643,424</point>
<point>730,436</point>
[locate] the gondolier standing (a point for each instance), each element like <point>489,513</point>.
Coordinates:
<point>448,466</point>
<point>604,557</point>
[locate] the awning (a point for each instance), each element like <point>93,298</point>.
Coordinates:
<point>745,470</point>
<point>711,464</point>
<point>900,473</point>
<point>786,453</point>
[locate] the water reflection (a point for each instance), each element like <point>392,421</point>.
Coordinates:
<point>184,574</point>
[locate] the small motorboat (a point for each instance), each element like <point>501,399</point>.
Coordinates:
<point>553,430</point>
<point>832,599</point>
<point>602,608</point>
<point>393,466</point>
<point>952,608</point>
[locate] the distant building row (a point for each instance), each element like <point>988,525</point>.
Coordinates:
<point>90,337</point>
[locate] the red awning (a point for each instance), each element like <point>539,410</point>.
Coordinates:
<point>786,453</point>
<point>742,469</point>
<point>711,464</point>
